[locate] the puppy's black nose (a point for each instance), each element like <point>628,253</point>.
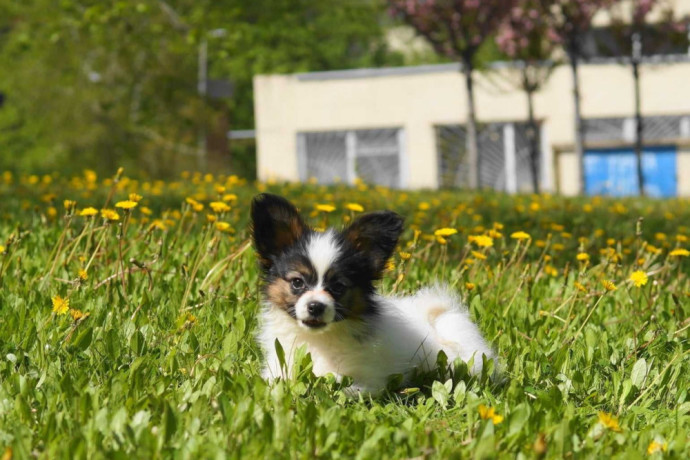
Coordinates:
<point>316,308</point>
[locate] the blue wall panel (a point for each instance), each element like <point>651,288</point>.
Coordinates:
<point>614,171</point>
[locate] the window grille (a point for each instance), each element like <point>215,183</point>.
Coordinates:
<point>619,129</point>
<point>504,156</point>
<point>372,155</point>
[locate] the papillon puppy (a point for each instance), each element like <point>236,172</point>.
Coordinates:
<point>318,292</point>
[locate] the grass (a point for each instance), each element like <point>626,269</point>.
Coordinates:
<point>154,355</point>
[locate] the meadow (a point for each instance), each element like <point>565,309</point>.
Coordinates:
<point>128,311</point>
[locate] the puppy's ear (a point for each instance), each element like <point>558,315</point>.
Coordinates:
<point>276,225</point>
<point>375,235</point>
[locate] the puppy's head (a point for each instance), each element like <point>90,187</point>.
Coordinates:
<point>320,278</point>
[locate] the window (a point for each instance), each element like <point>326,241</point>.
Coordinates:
<point>504,152</point>
<point>372,155</point>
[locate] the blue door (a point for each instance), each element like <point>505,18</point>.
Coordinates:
<point>614,171</point>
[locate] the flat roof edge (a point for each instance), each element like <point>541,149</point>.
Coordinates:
<point>377,72</point>
<point>455,67</point>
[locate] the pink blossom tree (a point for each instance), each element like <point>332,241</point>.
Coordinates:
<point>524,37</point>
<point>637,34</point>
<point>457,29</point>
<point>570,20</point>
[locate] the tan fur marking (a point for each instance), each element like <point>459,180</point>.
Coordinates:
<point>280,294</point>
<point>435,312</point>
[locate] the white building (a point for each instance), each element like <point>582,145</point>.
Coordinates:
<point>402,127</point>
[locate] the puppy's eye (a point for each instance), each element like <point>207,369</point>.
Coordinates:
<point>337,288</point>
<point>297,284</point>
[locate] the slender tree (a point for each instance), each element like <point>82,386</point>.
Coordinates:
<point>643,27</point>
<point>570,20</point>
<point>523,36</point>
<point>457,29</point>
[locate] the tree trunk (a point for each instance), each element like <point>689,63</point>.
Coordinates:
<point>579,128</point>
<point>639,122</point>
<point>532,132</point>
<point>472,144</point>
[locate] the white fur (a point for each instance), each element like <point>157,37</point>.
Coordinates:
<point>322,251</point>
<point>408,334</point>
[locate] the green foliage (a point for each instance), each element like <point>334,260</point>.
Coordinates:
<point>164,362</point>
<point>103,84</point>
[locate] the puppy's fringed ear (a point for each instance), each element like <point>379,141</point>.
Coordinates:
<point>276,225</point>
<point>375,235</point>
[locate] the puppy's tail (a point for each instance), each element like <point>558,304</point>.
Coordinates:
<point>457,334</point>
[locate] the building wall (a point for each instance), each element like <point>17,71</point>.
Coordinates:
<point>417,98</point>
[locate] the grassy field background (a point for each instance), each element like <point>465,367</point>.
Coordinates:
<point>130,333</point>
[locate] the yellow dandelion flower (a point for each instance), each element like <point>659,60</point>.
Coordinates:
<point>404,255</point>
<point>580,287</point>
<point>76,314</point>
<point>135,197</point>
<point>445,231</point>
<point>2,249</point>
<point>82,274</point>
<point>681,238</point>
<point>230,197</point>
<point>88,212</point>
<point>159,224</point>
<point>478,255</point>
<point>69,204</point>
<point>469,286</point>
<point>656,446</point>
<point>109,214</point>
<point>220,189</point>
<point>582,257</point>
<point>325,207</point>
<point>482,241</point>
<point>127,204</point>
<point>608,285</point>
<point>52,212</point>
<point>222,226</point>
<point>146,211</point>
<point>587,208</point>
<point>219,206</point>
<point>660,236</point>
<point>354,207</point>
<point>551,270</point>
<point>441,240</point>
<point>424,206</point>
<point>639,278</point>
<point>558,247</point>
<point>390,265</point>
<point>680,252</point>
<point>495,234</point>
<point>609,421</point>
<point>60,305</point>
<point>196,206</point>
<point>566,235</point>
<point>520,236</point>
<point>652,249</point>
<point>210,218</point>
<point>489,413</point>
